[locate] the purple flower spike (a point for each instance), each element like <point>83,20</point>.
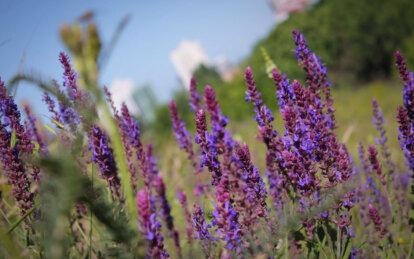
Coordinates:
<point>70,79</point>
<point>103,157</point>
<point>254,183</point>
<point>226,218</point>
<point>208,146</point>
<point>283,88</point>
<point>405,114</point>
<point>195,104</point>
<point>206,240</point>
<point>315,74</point>
<point>264,116</point>
<point>131,135</point>
<point>182,136</point>
<point>274,143</point>
<point>354,253</point>
<point>32,129</point>
<point>379,122</point>
<point>51,105</point>
<point>150,228</point>
<point>218,122</point>
<point>199,224</point>
<point>16,170</point>
<point>376,219</point>
<point>408,82</point>
<point>375,165</point>
<point>166,211</point>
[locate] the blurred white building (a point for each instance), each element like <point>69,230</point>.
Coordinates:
<point>282,8</point>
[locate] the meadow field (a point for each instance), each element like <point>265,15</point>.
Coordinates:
<point>286,166</point>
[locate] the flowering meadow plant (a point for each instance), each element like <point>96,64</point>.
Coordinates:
<point>86,184</point>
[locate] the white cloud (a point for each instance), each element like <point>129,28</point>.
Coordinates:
<point>186,58</point>
<point>122,90</point>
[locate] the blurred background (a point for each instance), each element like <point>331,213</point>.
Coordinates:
<point>164,43</point>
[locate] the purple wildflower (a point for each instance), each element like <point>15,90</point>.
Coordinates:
<point>103,157</point>
<point>269,136</point>
<point>382,141</point>
<point>150,228</point>
<point>70,79</point>
<point>354,253</point>
<point>373,159</point>
<point>131,137</point>
<point>12,164</point>
<point>218,123</point>
<point>405,114</point>
<point>376,219</point>
<point>206,240</point>
<point>315,74</point>
<point>254,183</point>
<point>408,82</point>
<point>51,105</point>
<point>208,145</point>
<point>130,132</point>
<point>68,115</point>
<point>195,104</point>
<point>182,136</point>
<point>263,116</point>
<point>222,140</point>
<point>166,211</point>
<point>283,88</point>
<point>226,217</point>
<point>33,130</point>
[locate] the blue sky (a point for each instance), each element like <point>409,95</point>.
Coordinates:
<point>227,28</point>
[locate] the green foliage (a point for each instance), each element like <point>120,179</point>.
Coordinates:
<point>207,76</point>
<point>62,186</point>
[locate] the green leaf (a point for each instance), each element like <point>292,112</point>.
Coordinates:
<point>49,128</point>
<point>60,126</point>
<point>20,219</point>
<point>57,123</point>
<point>13,139</point>
<point>347,250</point>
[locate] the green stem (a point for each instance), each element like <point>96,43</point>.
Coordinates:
<point>286,236</point>
<point>411,245</point>
<point>322,245</point>
<point>287,246</point>
<point>82,233</point>
<point>329,239</point>
<point>21,219</point>
<point>90,221</point>
<point>397,251</point>
<point>5,216</point>
<point>338,239</point>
